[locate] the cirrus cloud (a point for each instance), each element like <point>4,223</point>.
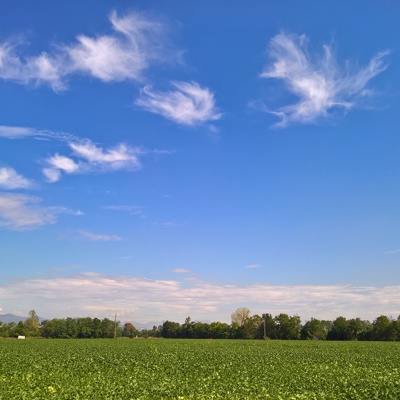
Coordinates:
<point>253,266</point>
<point>90,158</point>
<point>96,237</point>
<point>86,157</point>
<point>182,271</point>
<point>319,83</point>
<point>189,104</point>
<point>21,212</point>
<point>42,69</point>
<point>10,179</point>
<point>16,132</point>
<point>135,43</point>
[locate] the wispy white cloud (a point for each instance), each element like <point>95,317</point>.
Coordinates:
<point>63,163</point>
<point>142,299</point>
<point>135,43</point>
<point>318,81</point>
<point>182,271</point>
<point>10,179</point>
<point>121,156</point>
<point>38,70</point>
<point>16,132</point>
<point>20,212</point>
<point>253,266</point>
<point>58,164</point>
<point>21,132</point>
<point>126,54</point>
<point>95,237</point>
<point>189,104</point>
<point>52,174</point>
<point>86,157</point>
<point>66,210</point>
<point>91,158</point>
<point>396,251</point>
<point>132,210</point>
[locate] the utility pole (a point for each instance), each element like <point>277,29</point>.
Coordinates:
<point>265,328</point>
<point>115,325</point>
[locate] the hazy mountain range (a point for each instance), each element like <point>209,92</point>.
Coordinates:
<point>6,318</point>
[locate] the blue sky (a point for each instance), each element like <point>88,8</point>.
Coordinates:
<point>165,159</point>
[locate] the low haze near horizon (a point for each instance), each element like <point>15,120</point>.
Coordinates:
<point>160,160</point>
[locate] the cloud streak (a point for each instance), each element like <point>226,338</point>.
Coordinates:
<point>19,211</point>
<point>85,156</point>
<point>135,43</point>
<point>42,69</point>
<point>189,104</point>
<point>10,180</point>
<point>95,237</point>
<point>182,271</point>
<point>16,132</point>
<point>253,266</point>
<point>319,83</point>
<point>22,132</point>
<point>131,210</point>
<point>90,158</point>
<point>396,251</point>
<point>22,212</point>
<point>141,299</point>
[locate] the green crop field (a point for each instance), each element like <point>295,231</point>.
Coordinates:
<point>198,369</point>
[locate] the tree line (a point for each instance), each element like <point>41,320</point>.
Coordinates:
<point>243,326</point>
<point>286,327</point>
<point>71,328</point>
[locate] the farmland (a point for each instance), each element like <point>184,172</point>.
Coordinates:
<point>198,369</point>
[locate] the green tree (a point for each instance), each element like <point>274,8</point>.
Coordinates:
<point>340,330</point>
<point>327,325</point>
<point>32,325</point>
<point>187,329</point>
<point>358,328</point>
<point>253,327</point>
<point>85,329</point>
<point>170,329</point>
<point>6,330</point>
<point>109,328</point>
<point>219,330</point>
<point>384,328</point>
<point>287,327</point>
<point>97,328</point>
<point>313,329</point>
<point>129,330</point>
<point>396,327</point>
<point>71,328</point>
<point>201,330</point>
<point>55,329</point>
<point>19,329</point>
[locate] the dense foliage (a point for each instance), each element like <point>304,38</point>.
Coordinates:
<point>244,326</point>
<point>198,369</point>
<point>287,327</point>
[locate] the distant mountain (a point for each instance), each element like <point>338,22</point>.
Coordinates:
<point>148,325</point>
<point>7,318</point>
